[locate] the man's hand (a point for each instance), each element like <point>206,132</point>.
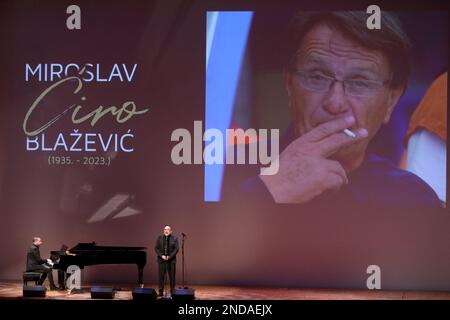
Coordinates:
<point>304,168</point>
<point>165,257</point>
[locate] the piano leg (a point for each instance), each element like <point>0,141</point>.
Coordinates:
<point>141,277</point>
<point>62,279</point>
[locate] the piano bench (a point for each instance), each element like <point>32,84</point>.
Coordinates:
<point>31,276</point>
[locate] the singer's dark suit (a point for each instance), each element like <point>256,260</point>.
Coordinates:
<point>166,246</point>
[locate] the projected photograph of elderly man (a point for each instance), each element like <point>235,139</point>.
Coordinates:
<point>343,83</point>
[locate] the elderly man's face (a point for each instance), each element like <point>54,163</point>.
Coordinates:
<point>328,52</point>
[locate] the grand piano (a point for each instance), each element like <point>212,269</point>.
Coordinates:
<point>88,254</point>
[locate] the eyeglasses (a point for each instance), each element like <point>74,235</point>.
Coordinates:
<point>320,83</point>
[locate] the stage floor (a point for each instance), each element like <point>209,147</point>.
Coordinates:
<point>13,290</point>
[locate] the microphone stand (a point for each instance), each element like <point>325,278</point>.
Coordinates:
<point>184,292</point>
<point>182,261</point>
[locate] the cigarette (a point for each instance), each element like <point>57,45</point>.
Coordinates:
<point>350,133</point>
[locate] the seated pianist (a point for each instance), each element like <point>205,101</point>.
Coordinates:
<point>37,264</point>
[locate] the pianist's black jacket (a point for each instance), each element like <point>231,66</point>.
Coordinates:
<point>34,260</point>
<point>172,250</point>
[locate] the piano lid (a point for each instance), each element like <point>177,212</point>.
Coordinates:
<point>92,246</point>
